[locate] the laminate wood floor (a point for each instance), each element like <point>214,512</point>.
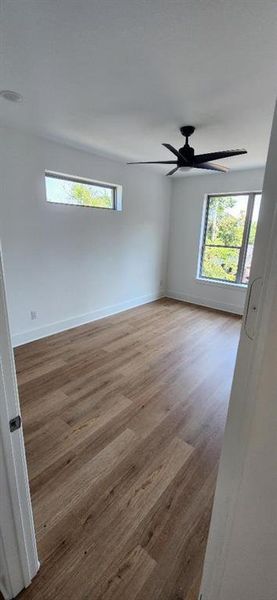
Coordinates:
<point>123,421</point>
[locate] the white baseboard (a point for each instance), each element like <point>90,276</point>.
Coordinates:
<point>232,308</point>
<point>35,334</point>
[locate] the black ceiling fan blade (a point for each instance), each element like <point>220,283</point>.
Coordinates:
<point>153,162</point>
<point>202,158</point>
<point>211,167</point>
<point>176,152</point>
<point>172,172</point>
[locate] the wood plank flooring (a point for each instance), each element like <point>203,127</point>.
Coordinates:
<point>123,422</point>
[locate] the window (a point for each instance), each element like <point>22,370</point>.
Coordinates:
<point>62,189</point>
<point>229,235</point>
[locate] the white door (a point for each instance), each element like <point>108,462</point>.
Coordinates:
<point>241,555</point>
<point>18,552</point>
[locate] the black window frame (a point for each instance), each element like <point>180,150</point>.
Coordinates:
<point>245,238</point>
<point>91,182</point>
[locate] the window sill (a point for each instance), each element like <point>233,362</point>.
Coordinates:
<point>226,284</point>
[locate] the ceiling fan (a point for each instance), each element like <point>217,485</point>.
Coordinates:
<point>188,160</point>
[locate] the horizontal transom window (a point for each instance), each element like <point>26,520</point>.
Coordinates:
<point>63,189</point>
<point>228,238</point>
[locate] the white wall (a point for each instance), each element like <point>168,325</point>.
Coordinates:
<point>73,264</point>
<point>188,195</point>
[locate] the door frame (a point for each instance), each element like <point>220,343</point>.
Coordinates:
<point>18,550</point>
<point>248,373</point>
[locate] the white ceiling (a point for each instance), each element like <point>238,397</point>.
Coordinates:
<point>120,76</point>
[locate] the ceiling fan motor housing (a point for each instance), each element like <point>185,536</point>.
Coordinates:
<point>187,152</point>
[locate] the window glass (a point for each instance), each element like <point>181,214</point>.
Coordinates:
<point>251,239</point>
<point>229,235</point>
<point>220,263</point>
<point>81,193</point>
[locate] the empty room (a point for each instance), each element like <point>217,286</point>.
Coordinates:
<point>137,273</point>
